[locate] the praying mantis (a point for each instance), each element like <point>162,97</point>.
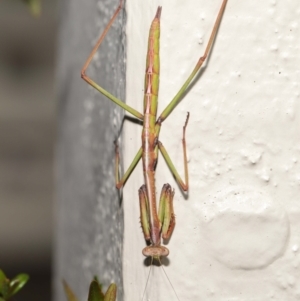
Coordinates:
<point>156,224</point>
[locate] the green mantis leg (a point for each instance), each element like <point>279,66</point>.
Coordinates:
<point>119,183</point>
<point>166,112</point>
<point>95,85</point>
<point>183,185</point>
<point>136,159</point>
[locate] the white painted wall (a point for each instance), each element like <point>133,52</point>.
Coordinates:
<point>237,234</point>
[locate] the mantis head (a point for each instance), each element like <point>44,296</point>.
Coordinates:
<point>155,252</point>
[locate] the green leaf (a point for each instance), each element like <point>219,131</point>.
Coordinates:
<point>4,287</point>
<point>34,7</point>
<point>111,293</point>
<point>95,292</point>
<point>69,293</point>
<point>2,275</point>
<point>17,283</point>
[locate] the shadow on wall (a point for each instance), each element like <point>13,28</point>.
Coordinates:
<point>27,130</point>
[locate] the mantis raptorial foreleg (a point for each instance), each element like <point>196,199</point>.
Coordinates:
<point>165,211</point>
<point>154,223</point>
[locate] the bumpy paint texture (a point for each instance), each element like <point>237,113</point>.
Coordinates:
<point>237,233</point>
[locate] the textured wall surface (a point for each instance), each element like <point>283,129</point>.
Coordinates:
<point>237,233</point>
<point>89,217</point>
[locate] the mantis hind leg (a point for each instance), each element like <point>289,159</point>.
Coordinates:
<point>166,211</point>
<point>183,184</point>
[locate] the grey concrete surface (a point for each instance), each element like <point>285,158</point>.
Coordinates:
<point>89,218</point>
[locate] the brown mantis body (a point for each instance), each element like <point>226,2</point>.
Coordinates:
<point>161,222</point>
